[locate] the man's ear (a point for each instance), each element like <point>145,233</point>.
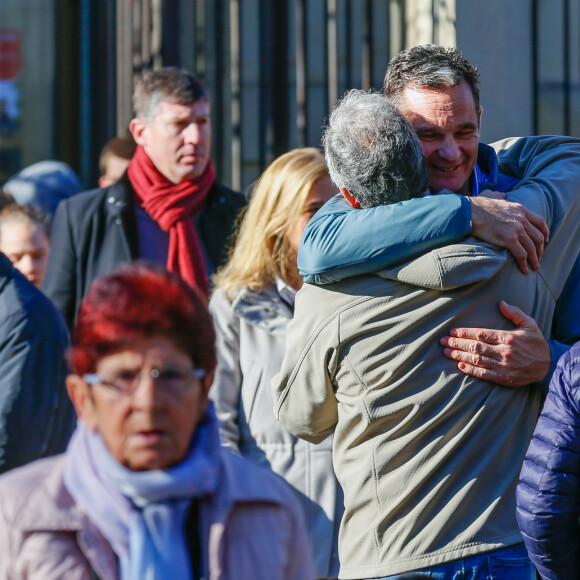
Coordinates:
<point>479,117</point>
<point>80,395</point>
<point>350,198</point>
<point>137,128</point>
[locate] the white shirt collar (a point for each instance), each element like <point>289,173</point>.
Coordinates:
<point>286,292</point>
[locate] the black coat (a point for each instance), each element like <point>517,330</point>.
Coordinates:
<point>95,231</point>
<point>36,415</point>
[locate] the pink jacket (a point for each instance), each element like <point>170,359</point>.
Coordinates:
<point>252,526</point>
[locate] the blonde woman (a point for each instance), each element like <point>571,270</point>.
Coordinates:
<point>251,306</point>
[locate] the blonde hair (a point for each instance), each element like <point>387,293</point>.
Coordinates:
<point>278,198</point>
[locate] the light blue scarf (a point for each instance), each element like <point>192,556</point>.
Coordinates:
<point>142,514</point>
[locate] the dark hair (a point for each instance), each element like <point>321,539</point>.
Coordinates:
<point>372,151</point>
<point>5,199</point>
<point>430,66</point>
<point>166,84</point>
<point>136,301</point>
<point>123,146</point>
<point>14,213</point>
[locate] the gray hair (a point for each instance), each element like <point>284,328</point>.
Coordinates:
<point>430,66</point>
<point>373,152</point>
<point>166,84</point>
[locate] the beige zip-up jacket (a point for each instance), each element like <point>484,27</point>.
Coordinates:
<point>428,457</point>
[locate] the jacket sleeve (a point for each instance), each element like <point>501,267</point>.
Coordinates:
<point>341,241</point>
<point>548,495</point>
<point>36,416</point>
<point>60,281</point>
<point>226,389</point>
<point>549,171</point>
<point>303,392</point>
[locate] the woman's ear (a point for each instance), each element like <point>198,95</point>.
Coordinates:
<point>82,399</point>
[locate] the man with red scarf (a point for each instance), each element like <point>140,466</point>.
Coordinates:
<point>167,208</point>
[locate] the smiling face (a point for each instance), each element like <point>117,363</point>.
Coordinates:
<point>26,245</point>
<point>447,125</point>
<point>177,140</point>
<point>151,429</point>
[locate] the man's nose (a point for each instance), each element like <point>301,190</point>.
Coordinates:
<point>449,149</point>
<point>192,133</point>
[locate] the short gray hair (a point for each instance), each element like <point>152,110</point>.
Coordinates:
<point>429,66</point>
<point>166,84</point>
<point>373,152</point>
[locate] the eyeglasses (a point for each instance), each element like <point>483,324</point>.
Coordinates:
<point>175,382</point>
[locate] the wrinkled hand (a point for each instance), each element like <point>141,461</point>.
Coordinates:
<point>511,226</point>
<point>507,357</point>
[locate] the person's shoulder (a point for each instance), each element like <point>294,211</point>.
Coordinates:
<point>221,195</point>
<point>85,202</point>
<point>327,298</point>
<point>21,299</point>
<point>22,488</point>
<point>569,364</point>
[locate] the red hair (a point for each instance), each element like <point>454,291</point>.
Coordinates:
<point>139,301</point>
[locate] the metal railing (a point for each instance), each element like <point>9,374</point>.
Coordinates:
<point>274,68</point>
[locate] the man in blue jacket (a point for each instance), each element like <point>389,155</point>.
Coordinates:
<point>428,457</point>
<point>436,89</point>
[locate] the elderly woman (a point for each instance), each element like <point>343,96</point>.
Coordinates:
<point>251,307</point>
<point>144,490</point>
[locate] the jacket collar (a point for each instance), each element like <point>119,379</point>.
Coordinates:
<point>487,162</point>
<point>451,266</point>
<point>264,309</point>
<point>120,207</point>
<point>120,196</point>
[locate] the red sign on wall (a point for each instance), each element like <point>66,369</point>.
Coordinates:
<point>10,54</point>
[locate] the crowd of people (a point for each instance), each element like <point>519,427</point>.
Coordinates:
<point>176,402</point>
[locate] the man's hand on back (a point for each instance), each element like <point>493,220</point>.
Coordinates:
<point>511,226</point>
<point>508,357</point>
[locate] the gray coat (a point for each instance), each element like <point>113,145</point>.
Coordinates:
<point>251,336</point>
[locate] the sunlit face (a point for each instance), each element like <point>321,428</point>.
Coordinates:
<point>320,192</point>
<point>115,167</point>
<point>447,125</point>
<point>26,245</point>
<point>150,429</point>
<point>177,140</point>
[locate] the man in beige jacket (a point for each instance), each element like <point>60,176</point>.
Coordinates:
<point>428,457</point>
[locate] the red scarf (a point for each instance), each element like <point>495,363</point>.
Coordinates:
<point>172,207</point>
